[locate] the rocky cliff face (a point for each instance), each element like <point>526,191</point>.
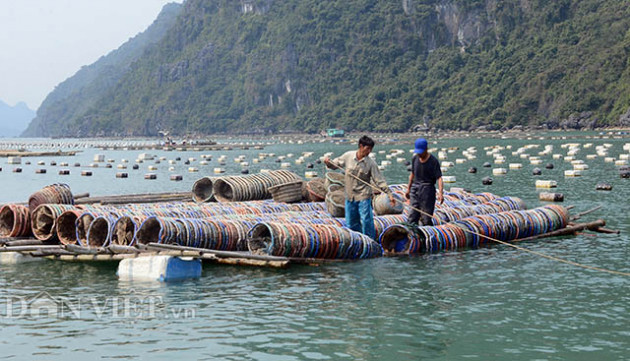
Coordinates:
<point>465,26</point>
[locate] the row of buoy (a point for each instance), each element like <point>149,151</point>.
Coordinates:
<point>474,231</point>
<point>240,188</point>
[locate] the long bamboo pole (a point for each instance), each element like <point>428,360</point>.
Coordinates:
<point>137,198</point>
<point>566,230</point>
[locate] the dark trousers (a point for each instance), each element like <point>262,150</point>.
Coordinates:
<point>422,197</point>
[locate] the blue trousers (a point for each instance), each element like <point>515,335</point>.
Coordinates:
<point>360,217</point>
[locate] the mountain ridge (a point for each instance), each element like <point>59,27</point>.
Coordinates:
<point>257,66</point>
<point>14,119</point>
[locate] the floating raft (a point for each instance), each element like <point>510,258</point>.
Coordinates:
<point>254,232</point>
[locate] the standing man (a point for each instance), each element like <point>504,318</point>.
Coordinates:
<point>425,172</point>
<point>357,164</point>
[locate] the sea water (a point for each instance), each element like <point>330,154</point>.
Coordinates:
<point>491,303</point>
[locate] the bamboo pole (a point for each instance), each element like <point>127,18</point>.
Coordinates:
<point>25,242</point>
<point>252,262</point>
<point>223,254</point>
<point>577,216</point>
<point>31,248</point>
<point>566,230</point>
<point>137,198</point>
<point>606,230</point>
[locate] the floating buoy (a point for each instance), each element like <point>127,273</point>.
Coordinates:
<point>546,184</point>
<point>14,160</point>
<point>551,197</point>
<point>159,268</point>
<point>603,186</point>
<point>486,181</point>
<point>11,258</point>
<point>122,175</point>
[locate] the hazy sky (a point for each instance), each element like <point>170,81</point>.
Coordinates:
<point>43,42</point>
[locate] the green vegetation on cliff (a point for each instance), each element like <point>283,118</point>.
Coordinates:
<point>306,65</point>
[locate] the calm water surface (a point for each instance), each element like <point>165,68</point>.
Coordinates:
<point>494,303</point>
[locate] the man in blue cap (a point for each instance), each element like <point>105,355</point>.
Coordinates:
<point>425,172</point>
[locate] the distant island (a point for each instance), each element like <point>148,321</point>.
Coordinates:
<point>14,119</point>
<point>261,67</point>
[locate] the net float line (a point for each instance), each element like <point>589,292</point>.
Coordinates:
<point>15,221</point>
<point>474,231</point>
<point>250,187</point>
<point>44,220</point>
<point>58,193</point>
<point>311,241</point>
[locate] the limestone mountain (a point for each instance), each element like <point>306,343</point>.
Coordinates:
<point>384,65</point>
